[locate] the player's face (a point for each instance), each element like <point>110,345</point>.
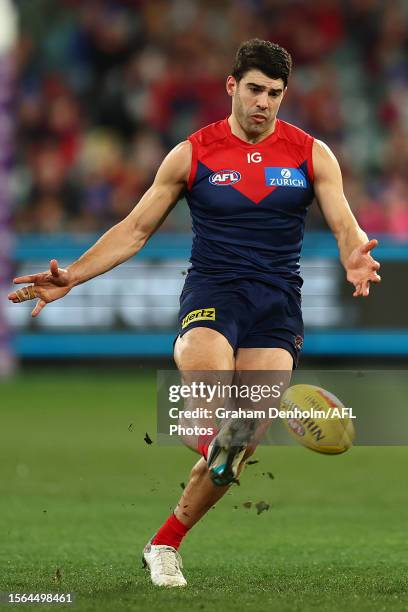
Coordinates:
<point>256,99</point>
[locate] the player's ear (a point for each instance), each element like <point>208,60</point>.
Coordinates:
<point>231,85</point>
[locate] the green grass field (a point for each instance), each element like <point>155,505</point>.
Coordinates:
<point>81,493</point>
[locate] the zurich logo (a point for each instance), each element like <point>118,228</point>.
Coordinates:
<point>224,177</point>
<point>286,177</point>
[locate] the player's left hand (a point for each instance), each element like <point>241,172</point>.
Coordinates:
<point>362,269</point>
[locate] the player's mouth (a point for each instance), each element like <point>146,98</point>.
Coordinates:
<point>258,118</point>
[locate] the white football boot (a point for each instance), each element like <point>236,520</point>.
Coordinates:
<point>164,563</point>
<point>227,450</point>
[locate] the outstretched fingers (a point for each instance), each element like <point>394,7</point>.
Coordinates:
<point>54,268</point>
<point>35,278</point>
<point>22,295</point>
<point>366,248</point>
<point>31,278</point>
<point>357,291</point>
<point>38,308</point>
<point>365,289</point>
<point>362,289</point>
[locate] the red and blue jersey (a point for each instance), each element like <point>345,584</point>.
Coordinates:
<point>248,203</point>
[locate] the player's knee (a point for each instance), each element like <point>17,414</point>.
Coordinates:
<point>202,348</point>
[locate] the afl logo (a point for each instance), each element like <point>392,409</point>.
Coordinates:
<point>224,177</point>
<point>286,173</point>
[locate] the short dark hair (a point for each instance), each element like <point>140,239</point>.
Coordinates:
<point>270,58</point>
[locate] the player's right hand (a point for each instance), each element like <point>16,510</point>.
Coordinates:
<point>47,286</point>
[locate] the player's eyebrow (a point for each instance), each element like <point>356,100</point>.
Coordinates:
<point>263,87</point>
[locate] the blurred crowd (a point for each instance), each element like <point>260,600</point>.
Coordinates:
<point>106,88</point>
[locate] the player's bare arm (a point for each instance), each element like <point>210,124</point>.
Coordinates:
<point>120,242</point>
<point>354,245</point>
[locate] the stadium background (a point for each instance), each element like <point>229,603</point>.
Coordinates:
<point>92,95</point>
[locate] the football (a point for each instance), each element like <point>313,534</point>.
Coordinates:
<point>317,419</point>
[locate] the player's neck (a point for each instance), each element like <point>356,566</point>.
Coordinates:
<point>239,132</point>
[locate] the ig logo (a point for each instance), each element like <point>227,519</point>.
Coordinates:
<point>254,158</point>
<point>286,173</point>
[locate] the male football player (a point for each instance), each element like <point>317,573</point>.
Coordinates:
<point>249,180</point>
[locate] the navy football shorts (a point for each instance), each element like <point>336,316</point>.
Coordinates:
<point>249,313</point>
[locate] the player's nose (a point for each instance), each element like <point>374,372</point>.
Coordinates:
<point>262,102</point>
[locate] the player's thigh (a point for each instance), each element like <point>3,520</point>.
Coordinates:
<point>259,367</point>
<point>202,348</point>
<point>202,355</point>
<point>263,359</point>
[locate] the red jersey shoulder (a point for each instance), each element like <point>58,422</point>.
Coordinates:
<point>209,134</point>
<point>294,134</point>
